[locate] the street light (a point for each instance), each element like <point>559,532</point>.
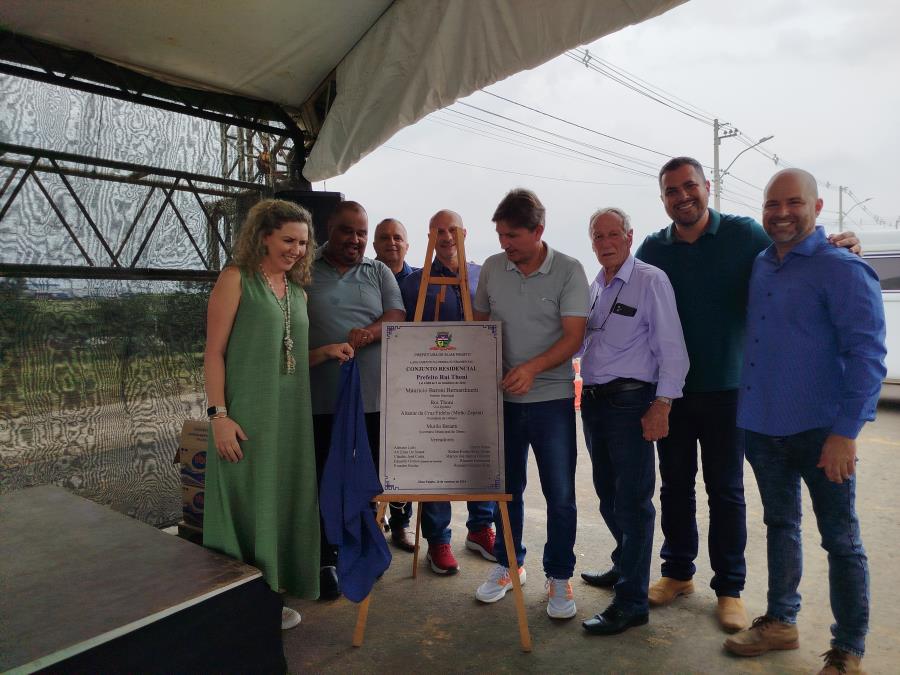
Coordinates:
<point>867,199</point>
<point>721,174</point>
<point>841,212</point>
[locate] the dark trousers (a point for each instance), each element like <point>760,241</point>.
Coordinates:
<point>400,512</point>
<point>624,473</point>
<point>709,418</point>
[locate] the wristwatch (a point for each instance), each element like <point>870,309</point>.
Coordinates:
<point>665,400</point>
<point>214,410</point>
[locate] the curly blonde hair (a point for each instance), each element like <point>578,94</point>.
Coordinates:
<point>264,218</point>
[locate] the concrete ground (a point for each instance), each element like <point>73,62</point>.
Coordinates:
<point>434,624</point>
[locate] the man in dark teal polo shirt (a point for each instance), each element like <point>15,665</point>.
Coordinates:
<point>708,257</point>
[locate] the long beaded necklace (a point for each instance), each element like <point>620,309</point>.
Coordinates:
<point>285,307</point>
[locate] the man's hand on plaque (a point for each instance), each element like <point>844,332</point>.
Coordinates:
<point>518,381</point>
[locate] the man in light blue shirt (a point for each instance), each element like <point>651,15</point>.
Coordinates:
<point>541,297</point>
<point>812,373</point>
<point>633,364</point>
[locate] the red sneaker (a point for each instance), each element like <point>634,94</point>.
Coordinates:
<point>482,541</point>
<point>440,557</point>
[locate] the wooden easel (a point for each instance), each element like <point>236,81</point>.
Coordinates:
<point>461,280</point>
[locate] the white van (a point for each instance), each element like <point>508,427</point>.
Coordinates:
<point>881,249</point>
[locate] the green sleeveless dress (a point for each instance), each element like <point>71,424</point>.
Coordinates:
<point>264,509</point>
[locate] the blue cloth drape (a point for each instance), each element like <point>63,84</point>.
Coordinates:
<point>349,483</point>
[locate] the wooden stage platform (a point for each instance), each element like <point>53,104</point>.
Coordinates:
<point>86,589</point>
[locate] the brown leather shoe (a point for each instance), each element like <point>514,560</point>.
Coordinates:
<point>667,589</point>
<point>731,614</point>
<point>403,539</point>
<point>839,662</point>
<point>764,635</point>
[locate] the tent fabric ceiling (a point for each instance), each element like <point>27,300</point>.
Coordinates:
<point>274,50</point>
<point>414,62</point>
<point>396,61</point>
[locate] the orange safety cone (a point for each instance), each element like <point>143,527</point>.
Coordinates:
<point>576,364</point>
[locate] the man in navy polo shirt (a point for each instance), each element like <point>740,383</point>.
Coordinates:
<point>391,244</point>
<point>811,378</point>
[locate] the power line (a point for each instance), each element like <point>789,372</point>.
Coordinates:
<point>663,97</point>
<point>599,159</point>
<point>516,173</point>
<point>618,155</point>
<point>578,126</point>
<point>656,95</point>
<point>485,133</point>
<point>587,56</point>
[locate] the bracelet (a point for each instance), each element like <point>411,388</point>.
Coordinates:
<point>218,416</point>
<point>663,400</point>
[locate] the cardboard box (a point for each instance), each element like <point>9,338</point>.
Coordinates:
<point>192,452</point>
<point>192,497</point>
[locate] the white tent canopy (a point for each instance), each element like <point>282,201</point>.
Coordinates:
<point>394,61</point>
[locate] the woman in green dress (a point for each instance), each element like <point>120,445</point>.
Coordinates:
<point>261,503</point>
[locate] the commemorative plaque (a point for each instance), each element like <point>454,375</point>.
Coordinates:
<point>441,408</point>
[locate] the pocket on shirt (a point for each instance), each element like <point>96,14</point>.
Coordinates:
<point>369,295</point>
<point>549,307</point>
<point>619,331</point>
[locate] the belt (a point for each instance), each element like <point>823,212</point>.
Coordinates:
<point>616,386</point>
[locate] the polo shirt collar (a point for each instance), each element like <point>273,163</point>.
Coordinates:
<point>320,255</point>
<point>440,269</point>
<point>624,273</point>
<point>543,269</point>
<point>712,227</point>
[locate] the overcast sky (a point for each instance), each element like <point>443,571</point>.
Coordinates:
<point>820,75</point>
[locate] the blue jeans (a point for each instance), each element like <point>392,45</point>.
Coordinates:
<point>436,519</point>
<point>710,418</point>
<point>779,463</point>
<point>549,428</point>
<point>624,473</point>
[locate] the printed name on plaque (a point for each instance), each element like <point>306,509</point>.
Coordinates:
<point>441,408</point>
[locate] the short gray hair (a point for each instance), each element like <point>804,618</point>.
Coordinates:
<point>626,221</point>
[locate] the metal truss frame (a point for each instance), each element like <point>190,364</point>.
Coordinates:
<point>35,162</point>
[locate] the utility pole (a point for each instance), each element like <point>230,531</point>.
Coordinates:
<point>717,141</point>
<point>841,212</point>
<point>840,208</point>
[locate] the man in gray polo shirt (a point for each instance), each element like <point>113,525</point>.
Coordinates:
<point>350,296</point>
<point>541,298</point>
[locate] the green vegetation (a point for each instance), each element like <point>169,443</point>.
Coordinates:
<point>65,353</point>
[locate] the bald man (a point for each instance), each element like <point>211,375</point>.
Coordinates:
<point>436,515</point>
<point>812,373</point>
<point>391,245</point>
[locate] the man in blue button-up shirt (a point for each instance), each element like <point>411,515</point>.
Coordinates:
<point>813,367</point>
<point>633,364</point>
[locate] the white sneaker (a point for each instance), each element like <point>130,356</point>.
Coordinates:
<point>290,618</point>
<point>560,599</point>
<point>498,582</point>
